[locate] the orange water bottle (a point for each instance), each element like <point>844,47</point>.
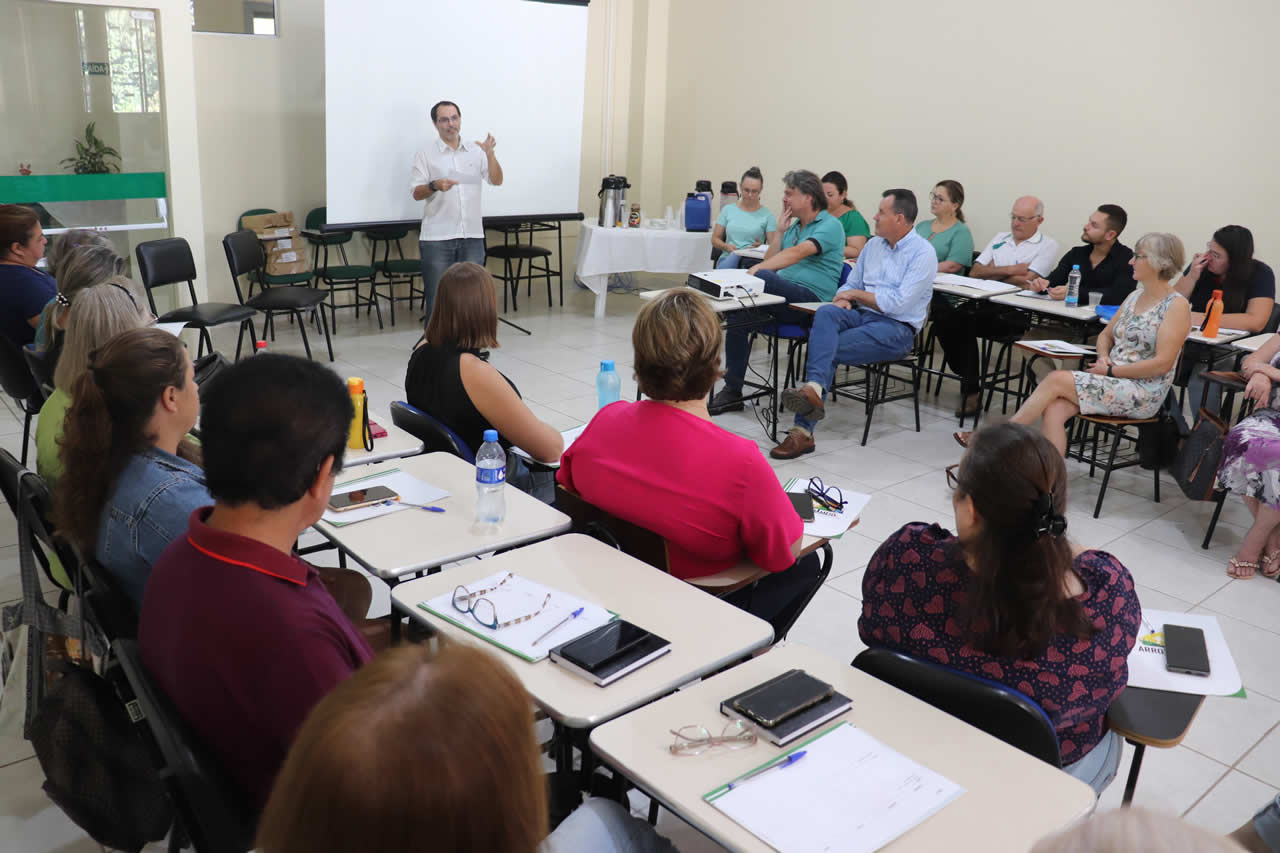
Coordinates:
<point>1212,314</point>
<point>359,420</point>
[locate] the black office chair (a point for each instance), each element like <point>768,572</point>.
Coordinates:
<point>169,261</point>
<point>18,382</point>
<point>398,270</point>
<point>211,811</point>
<point>998,710</point>
<point>41,365</point>
<point>106,605</point>
<point>27,495</point>
<point>339,277</point>
<point>435,436</point>
<point>245,256</point>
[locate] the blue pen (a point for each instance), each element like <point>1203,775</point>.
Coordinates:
<point>419,506</point>
<point>574,615</point>
<point>786,762</point>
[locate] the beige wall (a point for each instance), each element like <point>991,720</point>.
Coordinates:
<point>1167,107</point>
<point>260,103</point>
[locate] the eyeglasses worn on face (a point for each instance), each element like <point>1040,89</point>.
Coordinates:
<point>1023,219</point>
<point>953,477</point>
<point>1139,257</point>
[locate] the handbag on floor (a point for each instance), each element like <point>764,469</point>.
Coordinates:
<point>1196,466</point>
<point>1158,443</point>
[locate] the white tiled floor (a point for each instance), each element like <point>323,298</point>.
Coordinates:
<point>1228,764</point>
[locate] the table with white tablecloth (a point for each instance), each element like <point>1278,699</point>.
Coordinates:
<point>604,251</point>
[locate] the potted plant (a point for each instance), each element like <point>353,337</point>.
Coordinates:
<point>93,156</point>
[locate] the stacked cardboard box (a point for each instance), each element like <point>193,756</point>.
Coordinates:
<point>285,248</point>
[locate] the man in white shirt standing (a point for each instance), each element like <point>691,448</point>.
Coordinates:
<point>1018,256</point>
<point>447,175</point>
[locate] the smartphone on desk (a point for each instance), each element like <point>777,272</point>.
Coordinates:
<point>781,698</point>
<point>605,644</point>
<point>1185,651</point>
<point>361,497</point>
<point>803,503</point>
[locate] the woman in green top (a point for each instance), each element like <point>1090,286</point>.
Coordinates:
<point>745,224</point>
<point>99,314</point>
<point>951,238</point>
<point>856,230</point>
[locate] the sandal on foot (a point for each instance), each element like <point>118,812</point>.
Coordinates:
<point>1234,566</point>
<point>1271,565</point>
<point>962,438</point>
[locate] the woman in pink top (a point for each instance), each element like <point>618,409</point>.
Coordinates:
<point>662,464</point>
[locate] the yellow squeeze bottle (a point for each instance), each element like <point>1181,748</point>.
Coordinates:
<point>355,437</point>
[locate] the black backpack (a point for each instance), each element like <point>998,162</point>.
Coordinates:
<point>97,768</point>
<point>1158,442</point>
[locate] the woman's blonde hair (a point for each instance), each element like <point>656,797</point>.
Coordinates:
<point>465,312</point>
<point>1164,253</point>
<point>78,267</point>
<point>677,342</point>
<point>1129,830</point>
<point>98,315</point>
<point>417,748</point>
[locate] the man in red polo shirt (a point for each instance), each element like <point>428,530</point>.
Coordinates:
<point>239,632</point>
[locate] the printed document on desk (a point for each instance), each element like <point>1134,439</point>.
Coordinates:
<point>849,793</point>
<point>756,252</point>
<point>827,524</point>
<point>518,597</point>
<point>975,283</point>
<point>1060,347</point>
<point>409,488</point>
<point>1146,661</point>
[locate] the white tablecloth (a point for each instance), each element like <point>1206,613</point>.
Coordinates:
<point>603,251</point>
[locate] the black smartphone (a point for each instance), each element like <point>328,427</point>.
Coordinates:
<point>780,698</point>
<point>803,504</point>
<point>1184,650</point>
<point>598,647</point>
<point>361,497</point>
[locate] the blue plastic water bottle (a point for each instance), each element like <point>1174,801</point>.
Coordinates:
<point>608,384</point>
<point>491,477</point>
<point>1073,286</point>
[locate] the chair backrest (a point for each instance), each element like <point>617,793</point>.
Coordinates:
<point>211,810</point>
<point>316,218</point>
<point>27,494</point>
<point>435,435</point>
<point>631,539</point>
<point>165,262</point>
<point>1273,323</point>
<point>845,271</point>
<point>245,256</point>
<point>998,710</point>
<point>257,211</point>
<point>41,365</point>
<point>106,605</point>
<point>16,377</point>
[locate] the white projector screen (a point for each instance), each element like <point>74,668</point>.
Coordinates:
<point>516,69</point>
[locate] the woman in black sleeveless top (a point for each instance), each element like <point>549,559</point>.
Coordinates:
<point>448,380</point>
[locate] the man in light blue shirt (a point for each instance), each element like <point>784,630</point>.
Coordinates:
<point>874,316</point>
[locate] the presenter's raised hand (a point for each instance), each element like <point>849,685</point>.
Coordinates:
<point>488,144</point>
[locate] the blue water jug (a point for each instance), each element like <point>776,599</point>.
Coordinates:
<point>697,213</point>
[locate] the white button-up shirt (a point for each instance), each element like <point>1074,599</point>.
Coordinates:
<point>455,213</point>
<point>1039,252</point>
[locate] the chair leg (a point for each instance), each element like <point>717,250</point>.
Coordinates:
<point>653,804</point>
<point>871,390</point>
<point>1135,767</point>
<point>1213,522</point>
<point>1155,476</point>
<point>915,391</point>
<point>26,436</point>
<point>302,327</point>
<point>1106,472</point>
<point>205,340</point>
<point>324,324</point>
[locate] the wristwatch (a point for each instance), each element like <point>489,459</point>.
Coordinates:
<point>431,185</point>
<point>1110,372</point>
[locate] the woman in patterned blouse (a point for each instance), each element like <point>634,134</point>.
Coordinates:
<point>1009,598</point>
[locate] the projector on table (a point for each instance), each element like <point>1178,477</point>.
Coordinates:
<point>726,284</point>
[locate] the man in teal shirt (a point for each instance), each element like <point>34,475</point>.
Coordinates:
<point>803,264</point>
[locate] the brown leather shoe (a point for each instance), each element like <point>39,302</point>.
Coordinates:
<point>805,402</point>
<point>797,443</point>
<point>969,404</point>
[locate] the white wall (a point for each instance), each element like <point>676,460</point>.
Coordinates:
<point>1166,107</point>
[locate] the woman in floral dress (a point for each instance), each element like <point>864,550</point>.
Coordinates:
<point>1251,465</point>
<point>1137,352</point>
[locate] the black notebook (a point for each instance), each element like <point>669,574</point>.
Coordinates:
<point>610,651</point>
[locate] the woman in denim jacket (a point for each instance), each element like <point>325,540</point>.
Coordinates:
<point>127,491</point>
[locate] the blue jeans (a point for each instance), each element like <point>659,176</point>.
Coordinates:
<point>728,261</point>
<point>438,256</point>
<point>737,343</point>
<point>1098,766</point>
<point>852,336</point>
<point>1267,824</point>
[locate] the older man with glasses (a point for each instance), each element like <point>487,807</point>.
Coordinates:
<point>1024,255</point>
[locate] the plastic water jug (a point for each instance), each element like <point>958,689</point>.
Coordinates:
<point>697,213</point>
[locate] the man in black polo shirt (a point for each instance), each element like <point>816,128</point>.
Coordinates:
<point>1103,261</point>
